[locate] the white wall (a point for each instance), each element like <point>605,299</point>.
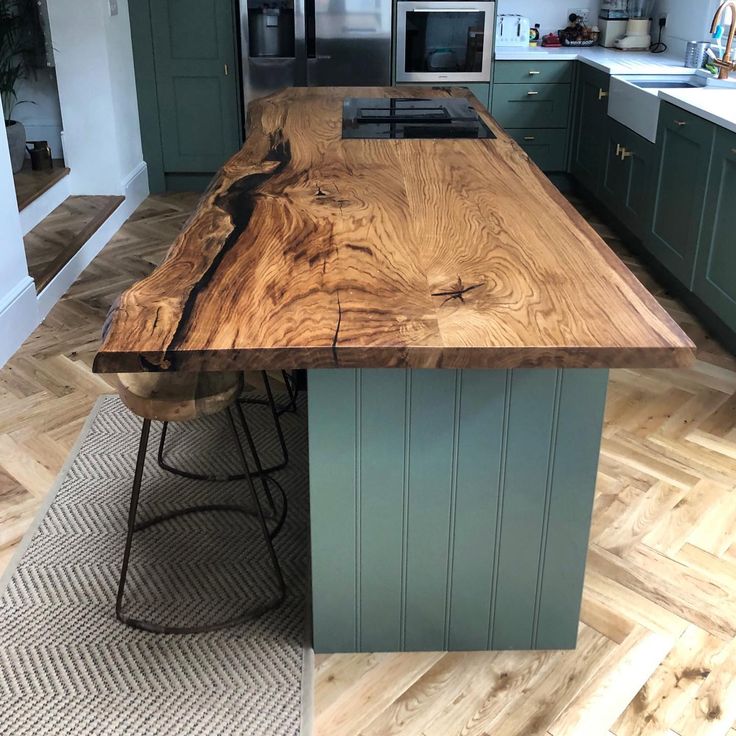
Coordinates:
<point>102,146</point>
<point>687,20</point>
<point>551,14</point>
<point>18,312</point>
<point>94,62</point>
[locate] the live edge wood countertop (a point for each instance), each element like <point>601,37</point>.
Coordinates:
<point>310,251</point>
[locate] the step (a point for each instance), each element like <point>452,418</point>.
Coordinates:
<point>60,235</point>
<point>30,185</point>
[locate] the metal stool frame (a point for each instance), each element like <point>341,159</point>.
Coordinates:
<point>268,535</point>
<point>238,476</point>
<point>292,389</point>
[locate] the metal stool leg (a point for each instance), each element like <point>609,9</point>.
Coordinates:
<point>291,388</point>
<point>237,476</point>
<point>268,536</point>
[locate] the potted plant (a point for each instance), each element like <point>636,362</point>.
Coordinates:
<point>16,27</point>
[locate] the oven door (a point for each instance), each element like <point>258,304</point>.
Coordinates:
<point>444,41</point>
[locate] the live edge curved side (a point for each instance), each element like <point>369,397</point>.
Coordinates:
<point>309,251</point>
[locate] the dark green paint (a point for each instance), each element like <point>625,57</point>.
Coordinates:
<point>547,148</point>
<point>684,144</point>
<point>189,107</point>
<point>626,188</point>
<point>531,105</point>
<point>544,72</point>
<point>590,120</point>
<point>715,272</point>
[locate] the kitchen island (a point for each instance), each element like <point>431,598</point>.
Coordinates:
<point>457,318</point>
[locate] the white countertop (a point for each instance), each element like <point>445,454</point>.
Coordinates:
<point>716,105</point>
<point>607,60</point>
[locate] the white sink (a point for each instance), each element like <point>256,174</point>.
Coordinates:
<point>633,99</point>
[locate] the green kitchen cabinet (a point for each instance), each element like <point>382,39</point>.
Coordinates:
<point>531,105</point>
<point>715,270</point>
<point>547,148</point>
<point>627,177</point>
<point>684,143</point>
<point>590,125</point>
<point>545,72</point>
<point>531,100</point>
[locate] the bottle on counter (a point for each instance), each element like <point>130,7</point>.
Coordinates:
<point>534,35</point>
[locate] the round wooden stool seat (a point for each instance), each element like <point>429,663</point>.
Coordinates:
<point>178,397</point>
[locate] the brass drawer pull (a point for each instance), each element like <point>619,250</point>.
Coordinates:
<point>533,73</point>
<point>532,93</point>
<point>680,123</point>
<point>530,138</point>
<point>602,93</point>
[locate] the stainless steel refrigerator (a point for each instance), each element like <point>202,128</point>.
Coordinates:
<point>290,43</point>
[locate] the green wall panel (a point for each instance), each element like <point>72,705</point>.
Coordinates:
<point>450,509</point>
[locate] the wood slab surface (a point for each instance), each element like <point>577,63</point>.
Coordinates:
<point>311,251</point>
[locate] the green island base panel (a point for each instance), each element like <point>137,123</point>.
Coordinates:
<point>450,509</point>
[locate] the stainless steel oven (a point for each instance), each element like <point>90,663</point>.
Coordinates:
<point>441,41</point>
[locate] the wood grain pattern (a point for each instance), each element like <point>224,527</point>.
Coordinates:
<point>47,390</point>
<point>312,251</point>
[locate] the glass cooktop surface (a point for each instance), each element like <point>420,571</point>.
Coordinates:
<point>402,117</point>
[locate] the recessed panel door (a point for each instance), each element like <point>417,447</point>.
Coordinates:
<point>197,86</point>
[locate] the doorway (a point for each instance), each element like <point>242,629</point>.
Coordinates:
<point>186,68</point>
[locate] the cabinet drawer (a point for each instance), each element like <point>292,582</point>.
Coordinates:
<point>544,72</point>
<point>531,105</point>
<point>547,148</point>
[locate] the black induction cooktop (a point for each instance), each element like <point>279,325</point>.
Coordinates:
<point>401,117</point>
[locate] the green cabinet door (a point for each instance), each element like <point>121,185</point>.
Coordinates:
<point>715,271</point>
<point>195,60</point>
<point>615,180</point>
<point>626,187</point>
<point>684,145</point>
<point>589,128</point>
<point>641,156</point>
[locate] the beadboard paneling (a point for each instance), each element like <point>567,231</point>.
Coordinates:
<point>450,509</point>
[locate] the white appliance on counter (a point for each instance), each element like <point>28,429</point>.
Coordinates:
<point>443,41</point>
<point>512,30</point>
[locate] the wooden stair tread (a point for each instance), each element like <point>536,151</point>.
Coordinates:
<point>30,185</point>
<point>58,237</point>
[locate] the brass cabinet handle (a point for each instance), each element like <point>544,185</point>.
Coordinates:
<point>227,70</point>
<point>533,73</point>
<point>602,93</point>
<point>626,154</point>
<point>680,123</point>
<point>531,93</point>
<point>619,148</point>
<point>530,137</point>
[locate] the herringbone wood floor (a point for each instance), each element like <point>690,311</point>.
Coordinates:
<point>657,645</point>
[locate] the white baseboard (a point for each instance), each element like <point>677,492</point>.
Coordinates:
<point>18,318</point>
<point>135,185</point>
<point>31,215</point>
<point>135,188</point>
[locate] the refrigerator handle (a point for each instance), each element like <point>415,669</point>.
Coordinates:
<point>310,23</point>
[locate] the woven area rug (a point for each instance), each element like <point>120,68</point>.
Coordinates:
<point>67,666</point>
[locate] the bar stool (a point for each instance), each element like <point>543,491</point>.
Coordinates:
<point>275,413</point>
<point>181,397</point>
